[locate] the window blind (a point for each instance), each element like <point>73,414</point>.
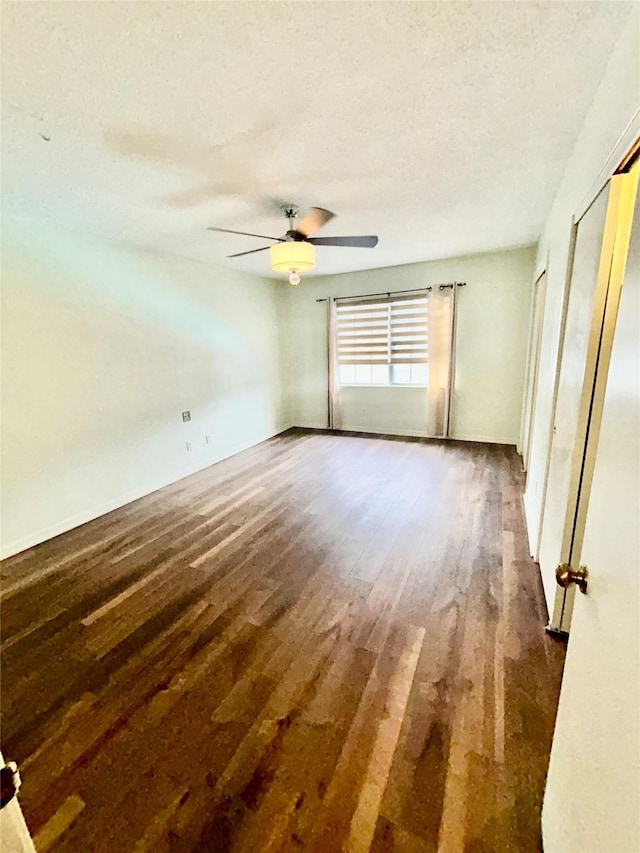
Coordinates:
<point>391,330</point>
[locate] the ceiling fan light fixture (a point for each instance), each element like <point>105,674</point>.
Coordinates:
<point>293,256</point>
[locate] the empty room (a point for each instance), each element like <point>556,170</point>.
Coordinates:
<point>320,405</point>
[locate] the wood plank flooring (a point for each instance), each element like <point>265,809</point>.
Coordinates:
<point>324,643</point>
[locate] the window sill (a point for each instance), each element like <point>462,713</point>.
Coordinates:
<point>371,385</point>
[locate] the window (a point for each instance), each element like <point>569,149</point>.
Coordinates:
<point>382,341</point>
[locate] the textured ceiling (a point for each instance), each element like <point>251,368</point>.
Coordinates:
<point>442,127</point>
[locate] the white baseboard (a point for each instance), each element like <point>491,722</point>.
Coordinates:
<point>8,549</point>
<point>485,439</point>
<point>411,433</point>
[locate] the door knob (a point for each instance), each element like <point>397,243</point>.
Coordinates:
<point>565,576</point>
<point>9,783</point>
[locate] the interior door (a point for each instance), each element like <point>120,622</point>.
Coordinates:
<point>592,800</point>
<point>590,279</point>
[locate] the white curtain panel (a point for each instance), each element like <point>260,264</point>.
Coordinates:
<point>440,334</point>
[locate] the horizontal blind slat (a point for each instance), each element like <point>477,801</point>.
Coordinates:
<point>398,315</point>
<point>370,312</point>
<point>409,336</point>
<point>360,348</point>
<point>418,322</point>
<point>363,333</point>
<point>376,328</point>
<point>403,319</point>
<point>366,324</point>
<point>414,347</point>
<point>356,362</point>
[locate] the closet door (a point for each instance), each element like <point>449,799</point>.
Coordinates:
<point>592,800</point>
<point>589,285</point>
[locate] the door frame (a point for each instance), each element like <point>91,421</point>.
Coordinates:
<point>535,546</point>
<point>538,299</point>
<point>613,254</point>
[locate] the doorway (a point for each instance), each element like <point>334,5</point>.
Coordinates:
<point>539,294</point>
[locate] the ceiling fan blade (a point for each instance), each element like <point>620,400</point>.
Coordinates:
<point>313,219</point>
<point>250,252</point>
<point>246,234</point>
<point>357,242</point>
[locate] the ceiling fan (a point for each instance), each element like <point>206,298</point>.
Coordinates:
<point>295,252</point>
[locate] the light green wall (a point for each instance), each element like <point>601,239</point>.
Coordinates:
<point>493,317</point>
<point>102,350</point>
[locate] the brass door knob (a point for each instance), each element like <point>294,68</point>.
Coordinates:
<point>565,576</point>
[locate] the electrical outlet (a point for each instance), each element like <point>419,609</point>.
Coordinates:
<point>188,445</point>
<point>186,416</point>
<point>207,439</point>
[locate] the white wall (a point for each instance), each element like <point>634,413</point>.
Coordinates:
<point>102,349</point>
<point>493,316</point>
<point>392,410</point>
<point>613,109</point>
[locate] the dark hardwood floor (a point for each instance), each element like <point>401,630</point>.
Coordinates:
<point>324,643</point>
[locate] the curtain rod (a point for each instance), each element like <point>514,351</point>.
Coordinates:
<point>393,292</point>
